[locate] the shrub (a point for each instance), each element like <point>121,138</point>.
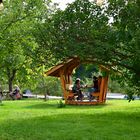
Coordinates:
<point>61,104</point>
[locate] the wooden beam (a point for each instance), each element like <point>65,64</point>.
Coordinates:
<point>53,70</point>
<point>63,84</point>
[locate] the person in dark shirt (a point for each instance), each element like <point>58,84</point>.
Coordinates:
<point>16,90</point>
<point>1,95</point>
<point>16,93</point>
<point>77,89</point>
<point>94,87</point>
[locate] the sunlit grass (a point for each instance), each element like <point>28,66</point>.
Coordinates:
<point>39,120</point>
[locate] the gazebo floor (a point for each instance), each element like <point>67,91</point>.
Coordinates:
<point>84,102</point>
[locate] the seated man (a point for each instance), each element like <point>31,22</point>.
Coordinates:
<point>94,88</point>
<point>1,94</point>
<point>77,89</point>
<point>16,93</point>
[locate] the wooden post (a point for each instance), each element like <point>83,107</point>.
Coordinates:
<point>105,88</point>
<point>63,83</point>
<point>102,89</point>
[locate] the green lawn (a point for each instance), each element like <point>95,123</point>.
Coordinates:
<point>39,120</point>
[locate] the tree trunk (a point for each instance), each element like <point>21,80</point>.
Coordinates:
<point>11,76</point>
<point>10,84</point>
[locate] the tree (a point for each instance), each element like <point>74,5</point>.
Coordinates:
<point>17,43</point>
<point>125,38</point>
<point>83,30</point>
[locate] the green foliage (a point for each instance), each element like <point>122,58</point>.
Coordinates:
<point>60,104</point>
<point>126,35</point>
<point>73,31</point>
<point>17,44</point>
<point>48,85</point>
<point>83,30</point>
<point>32,35</point>
<point>115,86</point>
<point>86,71</point>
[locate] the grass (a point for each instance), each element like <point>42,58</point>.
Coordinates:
<point>38,120</point>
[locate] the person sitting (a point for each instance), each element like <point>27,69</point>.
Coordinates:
<point>94,88</point>
<point>76,89</point>
<point>16,93</point>
<point>1,95</point>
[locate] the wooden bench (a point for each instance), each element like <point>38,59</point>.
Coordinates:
<point>71,96</point>
<point>95,95</point>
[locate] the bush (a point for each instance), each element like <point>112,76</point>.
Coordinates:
<point>61,104</point>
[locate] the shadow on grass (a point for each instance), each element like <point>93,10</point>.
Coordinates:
<point>47,105</point>
<point>109,126</point>
<point>42,106</point>
<point>1,104</point>
<point>51,104</point>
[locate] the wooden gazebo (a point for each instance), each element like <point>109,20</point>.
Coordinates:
<point>64,71</point>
